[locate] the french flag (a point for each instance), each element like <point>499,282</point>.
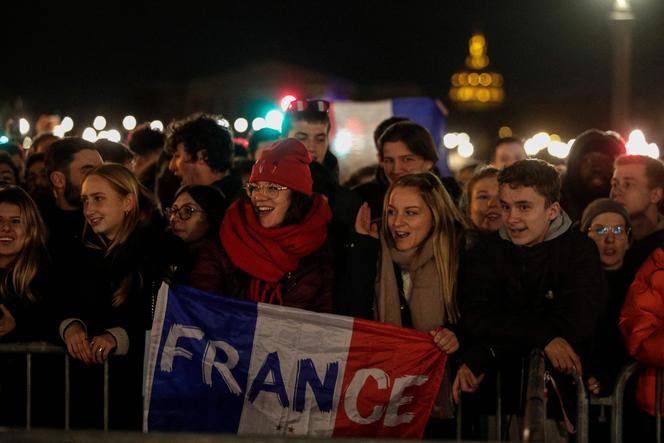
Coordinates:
<point>218,364</point>
<point>354,123</point>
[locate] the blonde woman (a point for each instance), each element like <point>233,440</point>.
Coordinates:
<point>127,256</point>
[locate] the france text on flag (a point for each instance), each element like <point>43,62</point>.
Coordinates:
<point>219,364</point>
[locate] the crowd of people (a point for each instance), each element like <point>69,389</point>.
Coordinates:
<point>515,258</point>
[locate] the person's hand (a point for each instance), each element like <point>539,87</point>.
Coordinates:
<point>363,223</point>
<point>445,339</point>
<point>593,385</point>
<point>101,347</point>
<point>77,343</point>
<point>7,321</point>
<point>466,381</point>
<point>562,356</point>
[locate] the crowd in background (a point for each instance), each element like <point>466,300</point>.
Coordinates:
<point>514,257</point>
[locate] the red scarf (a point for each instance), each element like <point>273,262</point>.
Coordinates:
<point>267,254</point>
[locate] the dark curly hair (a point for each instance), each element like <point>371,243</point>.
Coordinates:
<point>533,173</point>
<point>202,132</point>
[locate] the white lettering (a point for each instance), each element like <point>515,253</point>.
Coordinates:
<point>171,350</point>
<point>353,392</point>
<point>397,399</point>
<point>224,368</point>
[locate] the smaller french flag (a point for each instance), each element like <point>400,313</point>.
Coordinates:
<point>218,364</point>
<point>354,123</point>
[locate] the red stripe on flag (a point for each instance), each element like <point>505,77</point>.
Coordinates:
<point>391,380</point>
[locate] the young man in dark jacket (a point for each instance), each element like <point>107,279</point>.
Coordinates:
<point>534,284</point>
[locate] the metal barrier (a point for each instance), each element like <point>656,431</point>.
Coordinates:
<point>47,348</point>
<point>535,413</point>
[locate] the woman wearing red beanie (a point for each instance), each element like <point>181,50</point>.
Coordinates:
<point>274,241</point>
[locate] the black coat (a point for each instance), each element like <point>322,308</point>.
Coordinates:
<point>516,298</point>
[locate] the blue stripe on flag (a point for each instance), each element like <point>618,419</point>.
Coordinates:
<point>425,112</point>
<point>203,362</point>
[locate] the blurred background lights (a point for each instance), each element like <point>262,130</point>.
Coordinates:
<point>157,125</point>
<point>558,149</point>
<point>241,124</point>
<point>285,101</point>
<point>113,135</point>
<point>67,124</point>
<point>273,119</point>
<point>504,131</point>
<point>450,140</point>
<point>637,145</point>
<point>99,123</point>
<point>58,131</point>
<point>129,122</point>
<point>462,138</point>
<point>258,123</point>
<point>4,139</point>
<point>465,149</point>
<point>343,142</point>
<point>223,122</point>
<point>89,134</point>
<point>27,142</point>
<point>23,126</point>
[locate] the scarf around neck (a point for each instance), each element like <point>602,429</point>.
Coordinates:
<point>426,296</point>
<point>268,254</point>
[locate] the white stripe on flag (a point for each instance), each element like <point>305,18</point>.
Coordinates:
<point>355,123</point>
<point>325,339</point>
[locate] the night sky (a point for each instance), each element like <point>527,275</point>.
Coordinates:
<point>555,55</point>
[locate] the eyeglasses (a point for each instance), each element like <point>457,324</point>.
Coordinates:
<point>315,105</point>
<point>604,230</point>
<point>184,212</point>
<point>270,190</point>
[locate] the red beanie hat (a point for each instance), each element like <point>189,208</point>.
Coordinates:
<point>285,163</point>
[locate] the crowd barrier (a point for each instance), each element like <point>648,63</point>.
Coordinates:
<point>534,414</point>
<point>47,348</point>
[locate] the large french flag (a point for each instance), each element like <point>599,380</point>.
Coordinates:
<point>218,364</point>
<point>354,123</point>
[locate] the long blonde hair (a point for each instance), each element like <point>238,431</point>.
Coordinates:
<point>125,183</point>
<point>446,231</point>
<point>25,266</point>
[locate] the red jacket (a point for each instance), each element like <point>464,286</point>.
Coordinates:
<point>309,287</point>
<point>642,325</point>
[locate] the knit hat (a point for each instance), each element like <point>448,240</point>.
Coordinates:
<point>285,163</point>
<point>600,206</point>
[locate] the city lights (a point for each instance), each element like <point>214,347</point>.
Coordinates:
<point>273,119</point>
<point>286,101</point>
<point>258,123</point>
<point>67,124</point>
<point>637,145</point>
<point>58,131</point>
<point>89,134</point>
<point>241,124</point>
<point>129,122</point>
<point>99,122</point>
<point>23,126</point>
<point>223,122</point>
<point>157,125</point>
<point>450,141</point>
<point>466,149</point>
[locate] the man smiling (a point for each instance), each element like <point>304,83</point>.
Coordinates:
<point>534,284</point>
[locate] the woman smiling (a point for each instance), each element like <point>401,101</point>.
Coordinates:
<point>274,241</point>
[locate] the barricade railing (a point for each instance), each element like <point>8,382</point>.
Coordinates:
<point>535,412</point>
<point>47,348</point>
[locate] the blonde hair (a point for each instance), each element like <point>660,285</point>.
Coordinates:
<point>25,266</point>
<point>446,231</point>
<point>125,184</point>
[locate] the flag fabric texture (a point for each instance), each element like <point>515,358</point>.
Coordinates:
<point>220,364</point>
<point>354,124</point>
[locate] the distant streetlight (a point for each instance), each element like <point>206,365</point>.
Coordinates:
<point>622,20</point>
<point>99,123</point>
<point>129,122</point>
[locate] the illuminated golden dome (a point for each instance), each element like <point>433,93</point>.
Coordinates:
<point>475,88</point>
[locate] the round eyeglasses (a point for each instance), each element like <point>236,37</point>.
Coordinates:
<point>270,190</point>
<point>184,213</point>
<point>604,230</point>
